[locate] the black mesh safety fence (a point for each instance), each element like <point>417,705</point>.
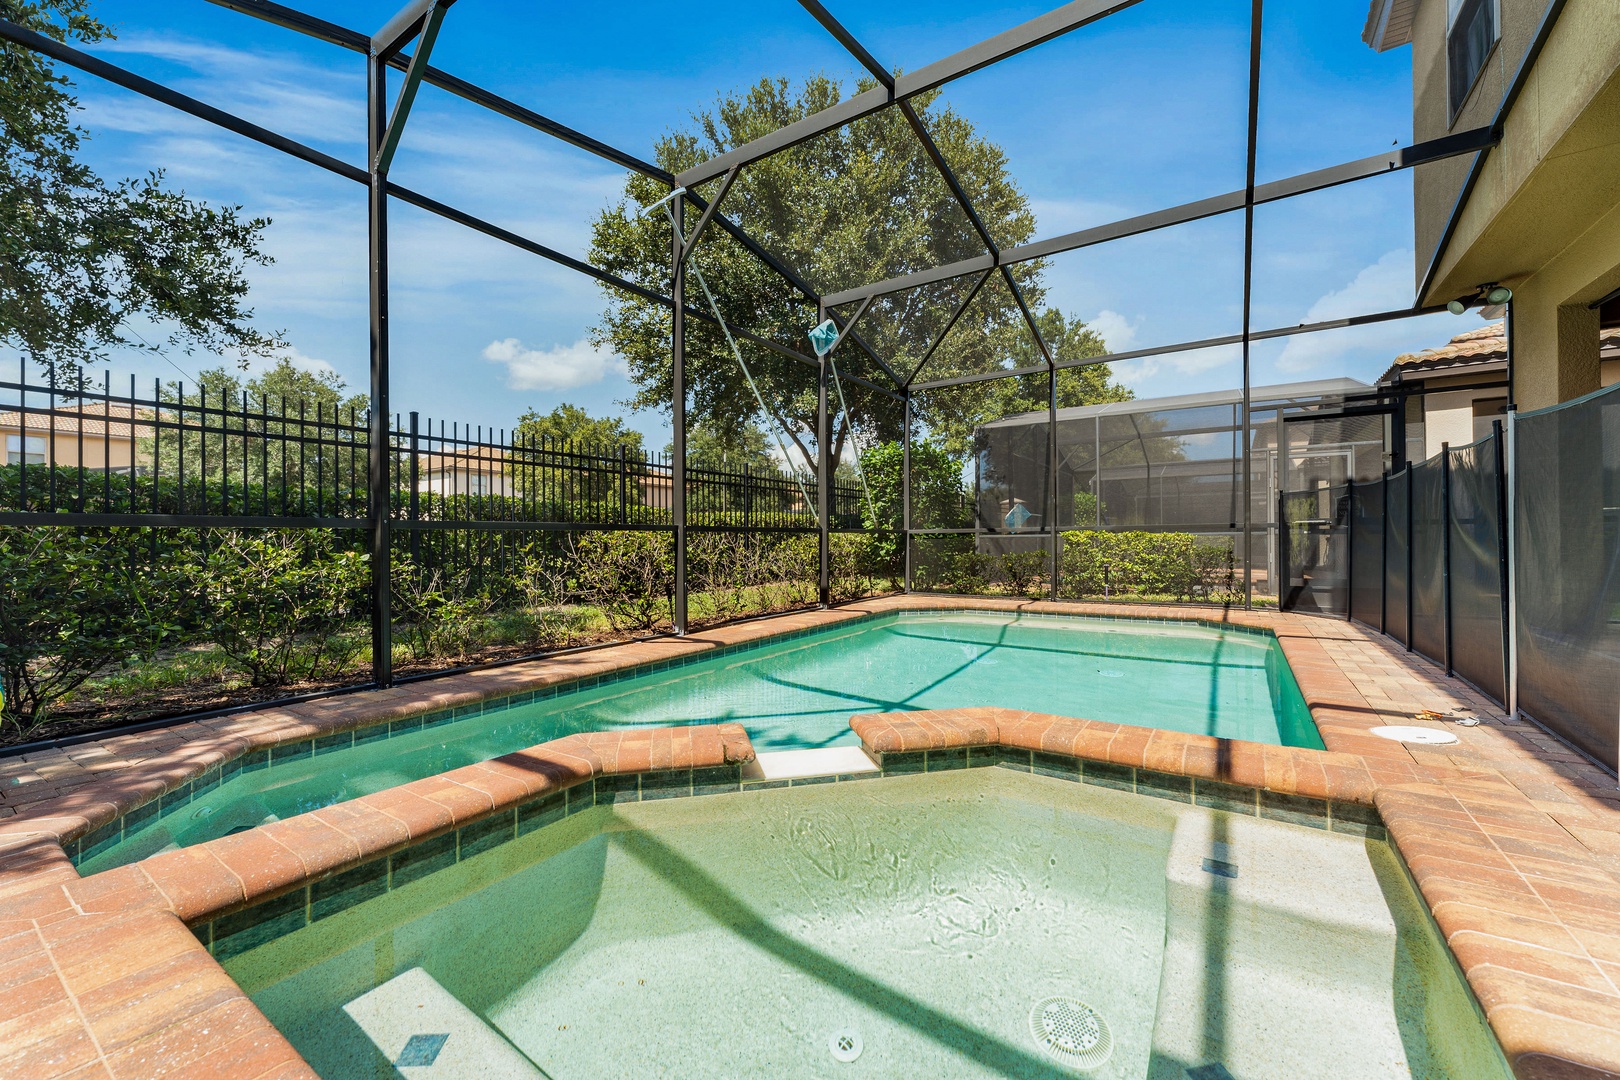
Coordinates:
<point>1366,555</point>
<point>1396,534</point>
<point>1426,536</point>
<point>1567,562</point>
<point>1476,566</point>
<point>1314,560</point>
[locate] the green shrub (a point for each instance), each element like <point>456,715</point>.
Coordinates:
<point>1166,564</point>
<point>276,602</point>
<point>1020,571</point>
<point>74,602</point>
<point>441,614</point>
<point>630,576</point>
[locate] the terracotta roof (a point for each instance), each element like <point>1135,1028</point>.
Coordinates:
<point>1482,345</point>
<point>67,421</point>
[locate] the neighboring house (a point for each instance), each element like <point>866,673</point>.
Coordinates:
<point>1539,212</point>
<point>1455,391</point>
<point>99,436</point>
<point>477,471</point>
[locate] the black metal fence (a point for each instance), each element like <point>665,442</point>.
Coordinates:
<point>1419,554</point>
<point>213,457</point>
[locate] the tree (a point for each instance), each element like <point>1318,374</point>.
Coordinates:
<point>858,204</point>
<point>728,449</point>
<point>572,424</point>
<point>309,414</point>
<point>79,257</point>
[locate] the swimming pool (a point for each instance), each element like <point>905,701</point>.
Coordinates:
<point>922,924</point>
<point>789,694</point>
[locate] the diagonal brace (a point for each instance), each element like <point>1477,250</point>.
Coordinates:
<point>430,21</point>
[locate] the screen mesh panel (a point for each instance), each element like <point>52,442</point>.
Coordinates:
<point>1567,551</point>
<point>1476,567</point>
<point>1427,537</point>
<point>1395,568</point>
<point>1367,553</point>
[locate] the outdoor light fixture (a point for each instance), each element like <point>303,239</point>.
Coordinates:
<point>1491,299</point>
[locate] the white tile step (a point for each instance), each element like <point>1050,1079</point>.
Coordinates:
<point>451,1041</point>
<point>797,764</point>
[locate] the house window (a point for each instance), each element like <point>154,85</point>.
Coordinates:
<point>1473,29</point>
<point>29,451</point>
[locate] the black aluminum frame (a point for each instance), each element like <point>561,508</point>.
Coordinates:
<point>418,22</point>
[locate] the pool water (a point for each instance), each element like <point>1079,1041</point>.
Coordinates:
<point>920,917</point>
<point>801,692</point>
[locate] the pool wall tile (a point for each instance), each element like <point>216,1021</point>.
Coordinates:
<point>903,764</point>
<point>419,860</point>
<point>581,797</point>
<point>1229,797</point>
<point>1104,774</point>
<point>955,757</point>
<point>327,744</point>
<point>666,784</point>
<point>296,751</point>
<point>1294,809</point>
<point>1164,785</point>
<point>716,780</point>
<point>1060,766</point>
<point>539,813</point>
<point>246,929</point>
<point>1357,821</point>
<point>342,891</point>
<point>617,789</point>
<point>485,835</point>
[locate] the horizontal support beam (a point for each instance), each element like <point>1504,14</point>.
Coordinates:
<point>1041,29</point>
<point>1184,346</point>
<point>92,65</point>
<point>293,19</point>
<point>177,521</point>
<point>1466,142</point>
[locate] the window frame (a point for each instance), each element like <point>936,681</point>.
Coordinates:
<point>24,448</point>
<point>1454,9</point>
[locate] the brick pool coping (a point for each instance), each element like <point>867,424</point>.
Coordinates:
<point>1512,840</point>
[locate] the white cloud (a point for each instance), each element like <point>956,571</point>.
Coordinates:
<point>1118,332</point>
<point>1383,286</point>
<point>1192,362</point>
<point>563,367</point>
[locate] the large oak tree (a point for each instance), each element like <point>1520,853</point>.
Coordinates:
<point>859,204</point>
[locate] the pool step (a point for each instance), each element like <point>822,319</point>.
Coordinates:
<point>427,1034</point>
<point>804,764</point>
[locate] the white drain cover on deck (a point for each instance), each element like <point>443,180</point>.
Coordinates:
<point>1426,736</point>
<point>425,1032</point>
<point>1071,1031</point>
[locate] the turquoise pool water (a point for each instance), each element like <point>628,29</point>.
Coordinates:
<point>801,693</point>
<point>927,917</point>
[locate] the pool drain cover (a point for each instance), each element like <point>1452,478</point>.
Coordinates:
<point>845,1044</point>
<point>1071,1031</point>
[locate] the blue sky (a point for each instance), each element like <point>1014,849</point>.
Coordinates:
<point>1141,111</point>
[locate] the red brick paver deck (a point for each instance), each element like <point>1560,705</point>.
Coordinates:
<point>1513,840</point>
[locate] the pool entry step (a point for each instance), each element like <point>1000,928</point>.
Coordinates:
<point>806,764</point>
<point>425,1032</point>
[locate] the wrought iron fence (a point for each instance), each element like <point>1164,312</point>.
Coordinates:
<point>215,457</point>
